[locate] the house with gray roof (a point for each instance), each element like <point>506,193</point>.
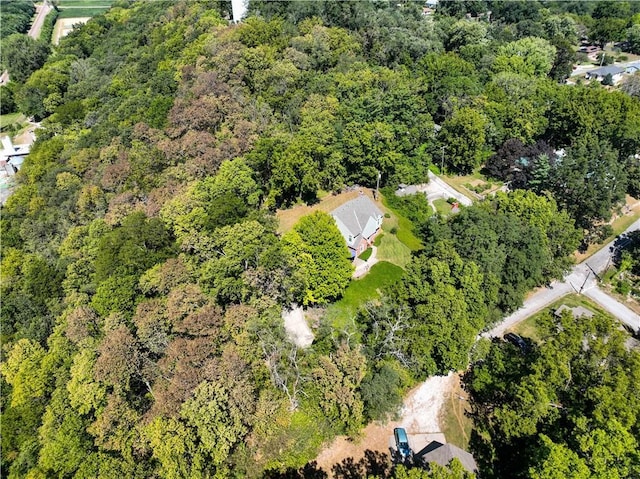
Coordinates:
<point>443,454</point>
<point>359,220</point>
<point>599,74</point>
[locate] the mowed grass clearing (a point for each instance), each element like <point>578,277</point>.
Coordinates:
<point>11,118</point>
<point>360,291</point>
<point>82,8</point>
<point>392,250</point>
<point>329,202</point>
<point>454,419</point>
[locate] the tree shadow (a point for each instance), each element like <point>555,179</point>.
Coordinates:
<point>374,463</point>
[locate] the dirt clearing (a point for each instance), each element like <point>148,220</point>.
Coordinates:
<point>420,416</point>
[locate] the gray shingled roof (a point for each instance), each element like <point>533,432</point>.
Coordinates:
<point>604,71</point>
<point>355,214</point>
<point>443,454</point>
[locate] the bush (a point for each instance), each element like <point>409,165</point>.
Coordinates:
<point>415,207</point>
<point>623,288</point>
<point>622,58</point>
<point>394,230</point>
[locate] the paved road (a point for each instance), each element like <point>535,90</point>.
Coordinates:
<point>41,12</point>
<point>616,308</point>
<point>581,278</point>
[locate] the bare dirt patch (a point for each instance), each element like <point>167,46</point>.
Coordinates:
<point>65,25</point>
<point>420,416</point>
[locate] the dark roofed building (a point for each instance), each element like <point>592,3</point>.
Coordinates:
<point>443,454</point>
<point>599,74</point>
<point>358,220</point>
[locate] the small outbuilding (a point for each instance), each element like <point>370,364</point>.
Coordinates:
<point>443,454</point>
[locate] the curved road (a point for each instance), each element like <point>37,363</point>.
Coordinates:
<point>581,279</point>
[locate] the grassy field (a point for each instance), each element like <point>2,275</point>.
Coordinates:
<point>442,207</point>
<point>82,8</point>
<point>392,250</point>
<point>455,423</point>
<point>403,226</point>
<point>10,119</point>
<point>362,290</point>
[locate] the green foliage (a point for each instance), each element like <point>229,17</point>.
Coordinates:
<point>121,362</point>
<point>414,207</point>
<point>529,56</point>
<point>16,17</point>
<point>22,55</point>
<point>561,400</point>
<point>319,257</point>
<point>464,138</point>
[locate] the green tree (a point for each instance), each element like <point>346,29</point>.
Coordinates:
<point>464,138</point>
<point>633,37</point>
<point>529,56</point>
<point>589,182</point>
<point>22,55</point>
<point>443,304</point>
<point>318,253</point>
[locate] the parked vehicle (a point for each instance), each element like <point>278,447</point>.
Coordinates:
<point>402,442</point>
<point>516,341</point>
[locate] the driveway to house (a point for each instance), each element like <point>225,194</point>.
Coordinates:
<point>435,189</point>
<point>363,267</point>
<point>581,279</point>
<point>438,188</point>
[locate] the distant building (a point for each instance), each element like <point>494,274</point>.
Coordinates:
<point>12,156</point>
<point>443,454</point>
<point>632,68</point>
<point>359,221</point>
<point>600,74</point>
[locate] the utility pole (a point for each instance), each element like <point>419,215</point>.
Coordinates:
<point>375,197</point>
<point>442,161</point>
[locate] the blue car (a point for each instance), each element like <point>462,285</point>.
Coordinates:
<point>402,442</point>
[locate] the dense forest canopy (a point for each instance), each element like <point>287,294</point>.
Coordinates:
<point>144,275</point>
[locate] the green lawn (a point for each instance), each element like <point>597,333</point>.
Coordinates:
<point>366,254</point>
<point>10,118</point>
<point>403,226</point>
<point>392,250</point>
<point>442,207</point>
<point>454,419</point>
<point>80,12</point>
<point>362,290</point>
